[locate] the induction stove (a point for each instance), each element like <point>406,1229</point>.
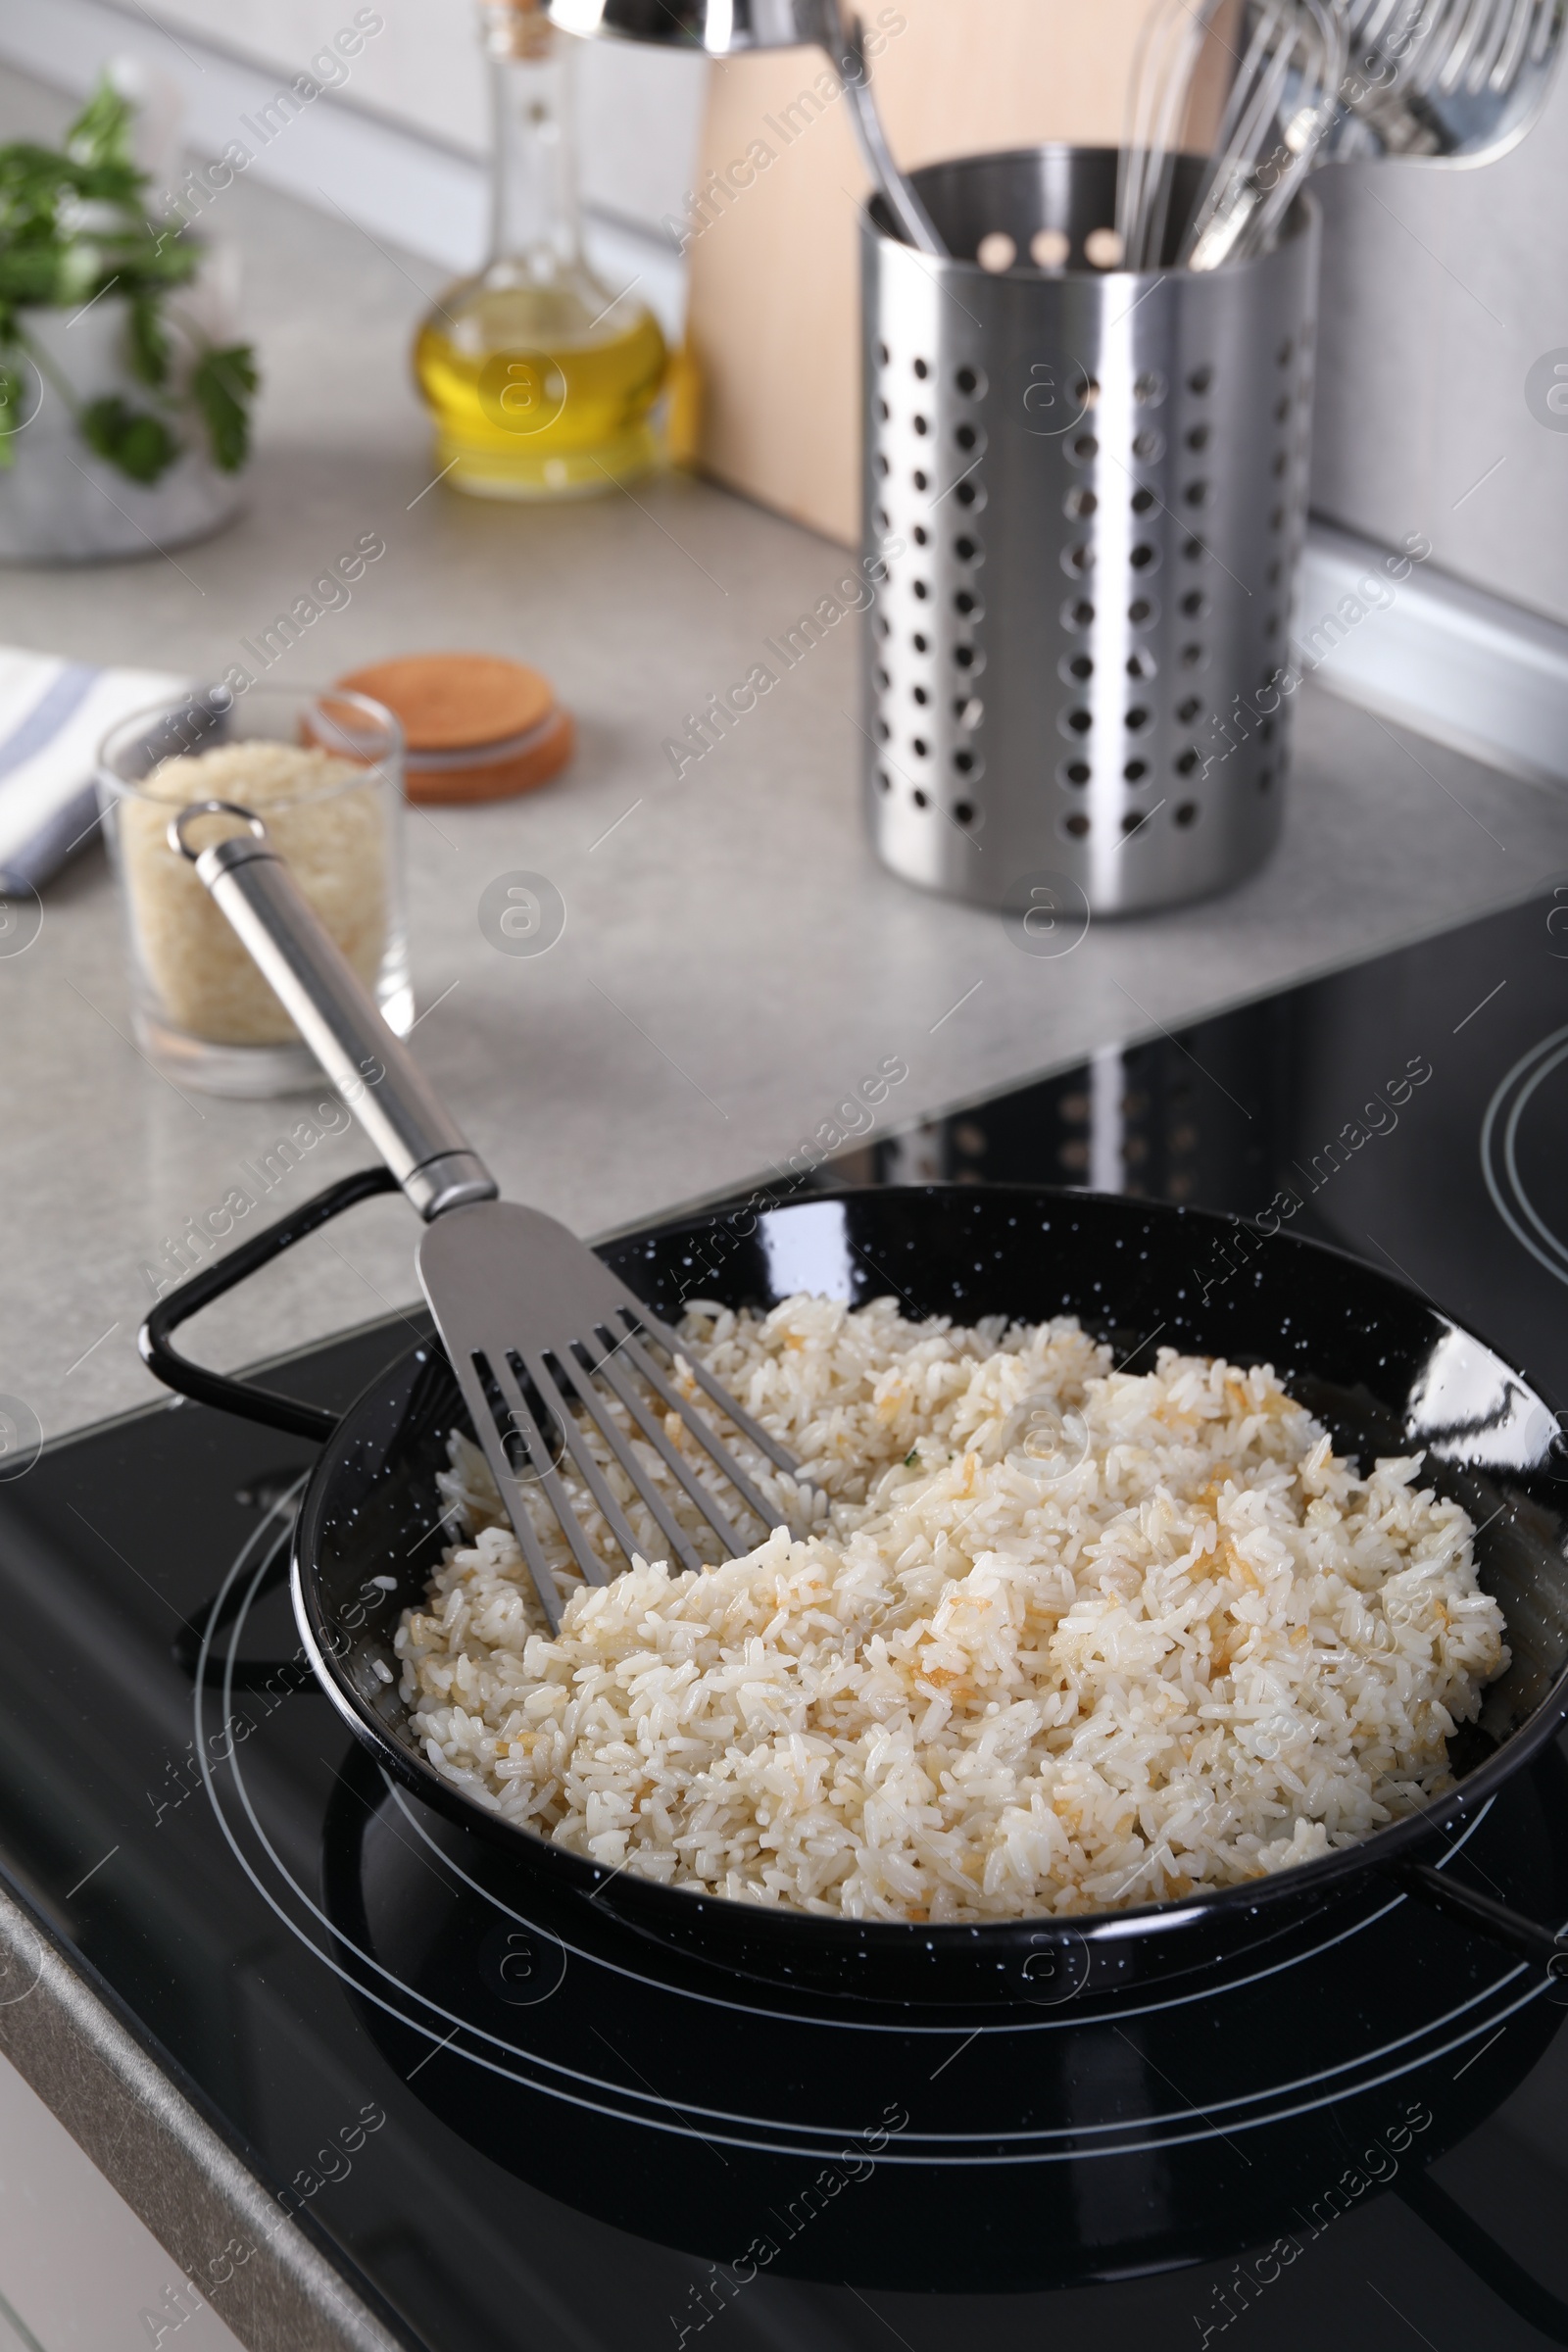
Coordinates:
<point>1366,2132</point>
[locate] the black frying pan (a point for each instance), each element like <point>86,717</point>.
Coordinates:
<point>1384,1369</point>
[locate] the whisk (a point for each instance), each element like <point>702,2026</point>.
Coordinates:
<point>1159,104</point>
<point>1312,81</point>
<point>1289,63</point>
<point>1280,106</point>
<point>1285,62</point>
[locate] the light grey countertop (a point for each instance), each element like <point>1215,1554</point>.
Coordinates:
<point>733,959</point>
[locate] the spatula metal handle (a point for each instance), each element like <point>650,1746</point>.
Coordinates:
<point>372,1068</point>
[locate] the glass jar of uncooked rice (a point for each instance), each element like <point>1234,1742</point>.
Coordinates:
<point>325,773</point>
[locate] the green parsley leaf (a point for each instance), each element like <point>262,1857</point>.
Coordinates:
<point>222,384</point>
<point>101,133</point>
<point>149,344</point>
<point>13,392</point>
<point>141,446</point>
<point>73,226</point>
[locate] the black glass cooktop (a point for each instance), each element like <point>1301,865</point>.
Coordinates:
<point>1364,2133</point>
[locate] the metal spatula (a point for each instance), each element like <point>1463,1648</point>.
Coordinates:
<point>550,1348</point>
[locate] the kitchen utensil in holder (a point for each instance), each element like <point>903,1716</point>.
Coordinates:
<point>1085,496</point>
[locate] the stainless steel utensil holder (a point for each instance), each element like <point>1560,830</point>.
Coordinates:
<point>1078,663</point>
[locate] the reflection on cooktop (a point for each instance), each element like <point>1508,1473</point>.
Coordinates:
<point>518,2129</point>
<point>1412,1111</point>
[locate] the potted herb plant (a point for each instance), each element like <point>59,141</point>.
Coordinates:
<point>124,397</point>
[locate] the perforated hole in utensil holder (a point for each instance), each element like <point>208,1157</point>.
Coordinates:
<point>926,408</point>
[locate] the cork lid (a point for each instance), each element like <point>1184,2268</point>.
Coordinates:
<point>456,702</point>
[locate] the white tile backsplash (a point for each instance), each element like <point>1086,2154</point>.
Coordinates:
<point>640,106</point>
<point>1442,287</point>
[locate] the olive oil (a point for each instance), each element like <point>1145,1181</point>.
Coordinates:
<point>540,379</point>
<point>535,397</point>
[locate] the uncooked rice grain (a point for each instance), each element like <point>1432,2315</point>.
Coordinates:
<point>323,812</point>
<point>1173,1642</point>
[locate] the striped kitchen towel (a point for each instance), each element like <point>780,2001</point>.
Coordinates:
<point>52,715</point>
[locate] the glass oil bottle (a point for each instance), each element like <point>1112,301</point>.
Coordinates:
<point>540,379</point>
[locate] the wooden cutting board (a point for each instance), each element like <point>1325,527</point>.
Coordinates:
<point>772,243</point>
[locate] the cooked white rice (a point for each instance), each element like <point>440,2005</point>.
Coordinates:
<point>1002,1679</point>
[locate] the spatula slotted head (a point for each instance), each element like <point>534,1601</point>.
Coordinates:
<point>572,1383</point>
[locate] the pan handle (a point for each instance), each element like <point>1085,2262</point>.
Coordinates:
<point>242,1397</point>
<point>1486,1916</point>
<point>323,996</point>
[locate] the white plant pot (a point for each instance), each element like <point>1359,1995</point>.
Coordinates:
<point>62,504</point>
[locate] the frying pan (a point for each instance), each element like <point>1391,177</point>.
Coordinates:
<point>1381,1366</point>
